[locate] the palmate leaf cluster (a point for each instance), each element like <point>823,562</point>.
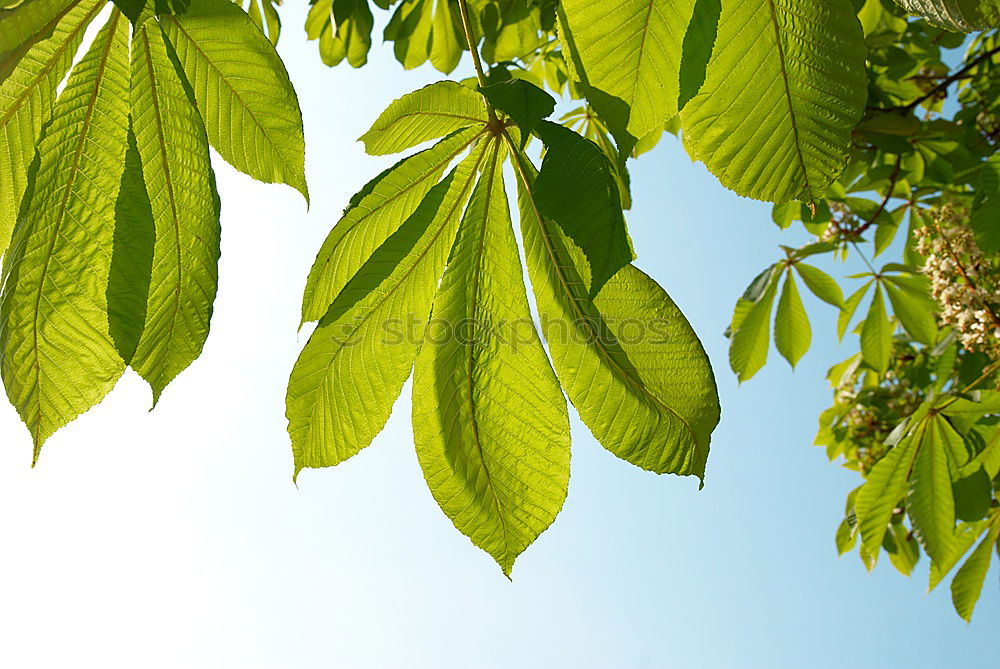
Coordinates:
<point>850,116</point>
<point>422,273</point>
<point>108,196</point>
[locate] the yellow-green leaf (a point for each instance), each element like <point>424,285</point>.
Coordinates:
<point>489,419</point>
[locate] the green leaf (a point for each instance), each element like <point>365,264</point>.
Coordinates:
<point>989,457</point>
<point>914,309</point>
<point>785,86</point>
<point>876,334</point>
<point>956,15</point>
<point>131,8</point>
<point>750,341</point>
<point>930,503</point>
<point>489,419</point>
<point>903,549</point>
<point>409,29</point>
<point>884,489</point>
<point>576,188</point>
<point>59,359</point>
<point>344,29</point>
<point>986,207</point>
<point>250,109</point>
<point>626,56</point>
<point>525,103</point>
<point>132,256</point>
<point>446,38</point>
<point>265,16</point>
<point>792,334</point>
<point>699,42</point>
<point>175,163</point>
<point>351,370</point>
<point>846,537</point>
<point>821,284</point>
<point>973,495</point>
<point>850,306</point>
<point>30,70</point>
<point>374,215</point>
<point>966,535</point>
<point>629,361</point>
<point>25,24</point>
<point>431,112</point>
<point>968,581</point>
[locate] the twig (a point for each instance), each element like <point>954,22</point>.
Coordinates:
<point>893,178</point>
<point>948,81</point>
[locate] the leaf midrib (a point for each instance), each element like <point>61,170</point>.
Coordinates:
<point>788,95</point>
<point>70,180</point>
<point>165,163</point>
<point>476,288</point>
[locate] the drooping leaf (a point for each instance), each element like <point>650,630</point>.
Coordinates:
<point>28,80</point>
<point>59,358</point>
<point>821,284</point>
<point>248,104</point>
<point>132,256</point>
<point>379,211</point>
<point>175,163</point>
<point>575,188</point>
<point>264,14</point>
<point>930,503</point>
<point>343,28</point>
<point>354,365</point>
<point>876,334</point>
<point>884,489</point>
<point>409,30</point>
<point>792,334</point>
<point>956,15</point>
<point>446,37</point>
<point>968,581</point>
<point>784,88</point>
<point>431,112</point>
<point>489,419</point>
<point>629,361</point>
<point>752,337</point>
<point>627,59</point>
<point>699,42</point>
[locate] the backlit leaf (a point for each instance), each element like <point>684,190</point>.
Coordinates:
<point>489,419</point>
<point>784,88</point>
<point>175,164</point>
<point>250,109</point>
<point>354,365</point>
<point>58,356</point>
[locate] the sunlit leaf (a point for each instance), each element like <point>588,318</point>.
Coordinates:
<point>489,419</point>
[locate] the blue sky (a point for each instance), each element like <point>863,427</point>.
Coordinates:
<point>176,538</point>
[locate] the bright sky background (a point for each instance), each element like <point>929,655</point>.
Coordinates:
<point>177,539</point>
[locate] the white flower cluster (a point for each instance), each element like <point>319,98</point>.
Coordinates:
<point>842,223</point>
<point>962,282</point>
